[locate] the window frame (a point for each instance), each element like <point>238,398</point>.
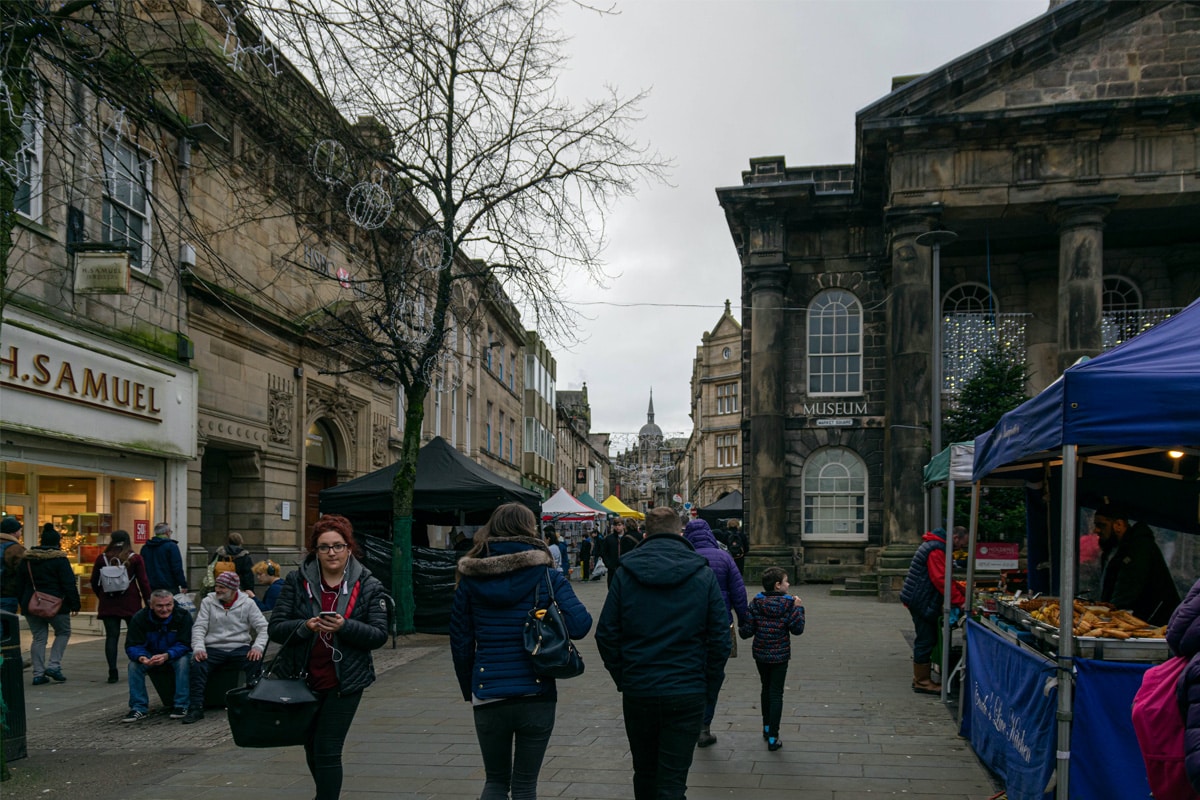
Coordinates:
<point>853,375</point>
<point>111,148</point>
<point>34,155</point>
<point>819,460</point>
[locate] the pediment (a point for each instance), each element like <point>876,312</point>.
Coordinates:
<point>1079,52</point>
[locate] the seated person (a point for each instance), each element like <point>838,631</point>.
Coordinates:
<point>229,629</point>
<point>158,638</point>
<point>270,575</point>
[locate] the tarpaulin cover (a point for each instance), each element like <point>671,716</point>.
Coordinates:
<point>448,483</point>
<point>1106,760</point>
<point>1141,393</point>
<point>433,588</point>
<point>562,506</point>
<point>1012,707</point>
<point>952,464</point>
<point>613,503</point>
<point>593,503</point>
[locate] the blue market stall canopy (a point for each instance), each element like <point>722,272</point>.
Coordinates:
<point>447,483</point>
<point>1123,409</point>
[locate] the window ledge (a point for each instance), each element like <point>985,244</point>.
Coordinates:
<point>33,226</point>
<point>152,282</point>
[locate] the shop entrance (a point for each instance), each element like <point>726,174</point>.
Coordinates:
<point>320,455</point>
<point>316,479</point>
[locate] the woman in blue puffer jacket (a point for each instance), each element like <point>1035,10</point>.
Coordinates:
<point>733,592</point>
<point>499,581</point>
<point>1183,637</point>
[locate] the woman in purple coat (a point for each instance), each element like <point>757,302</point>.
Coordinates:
<point>117,606</point>
<point>733,592</point>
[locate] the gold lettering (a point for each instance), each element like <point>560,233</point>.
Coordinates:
<point>139,397</point>
<point>119,398</point>
<point>153,408</point>
<point>95,384</point>
<point>65,375</point>
<point>11,362</point>
<point>41,371</point>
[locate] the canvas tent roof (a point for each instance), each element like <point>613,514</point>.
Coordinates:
<point>447,482</point>
<point>593,503</point>
<point>563,506</point>
<point>728,506</point>
<point>613,503</point>
<point>952,464</point>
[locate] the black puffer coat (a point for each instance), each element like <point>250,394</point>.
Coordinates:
<point>48,569</point>
<point>365,629</point>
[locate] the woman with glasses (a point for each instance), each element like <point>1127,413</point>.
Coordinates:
<point>334,614</point>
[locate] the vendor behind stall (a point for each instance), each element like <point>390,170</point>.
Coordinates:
<point>1134,574</point>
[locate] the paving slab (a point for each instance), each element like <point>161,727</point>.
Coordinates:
<point>852,730</point>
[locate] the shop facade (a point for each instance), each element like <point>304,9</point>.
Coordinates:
<point>95,436</point>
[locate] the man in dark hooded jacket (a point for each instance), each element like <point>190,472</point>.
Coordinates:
<point>164,563</point>
<point>664,638</point>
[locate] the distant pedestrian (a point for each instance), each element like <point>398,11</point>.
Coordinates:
<point>585,556</point>
<point>237,559</point>
<point>551,539</point>
<point>11,552</point>
<point>164,564</point>
<point>738,544</point>
<point>499,580</point>
<point>113,608</point>
<point>334,649</point>
<point>664,637</point>
<point>269,574</point>
<point>775,616</point>
<point>46,569</point>
<point>922,593</point>
<point>621,540</point>
<point>733,593</point>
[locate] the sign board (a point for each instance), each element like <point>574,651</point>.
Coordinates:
<point>141,531</point>
<point>995,556</point>
<point>102,272</point>
<point>581,475</point>
<point>835,422</point>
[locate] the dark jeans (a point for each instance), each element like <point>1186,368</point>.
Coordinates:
<point>200,670</point>
<point>323,750</point>
<point>498,726</point>
<point>926,638</point>
<point>662,733</point>
<point>112,639</point>
<point>771,698</point>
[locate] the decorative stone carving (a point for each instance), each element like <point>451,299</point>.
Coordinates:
<point>281,409</point>
<point>379,440</point>
<point>336,402</point>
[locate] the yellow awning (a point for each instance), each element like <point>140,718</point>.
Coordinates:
<point>613,503</point>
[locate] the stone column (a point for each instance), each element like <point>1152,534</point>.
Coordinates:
<point>767,490</point>
<point>910,340</point>
<point>1041,331</point>
<point>1080,278</point>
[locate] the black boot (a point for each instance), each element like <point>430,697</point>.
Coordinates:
<point>112,676</point>
<point>706,738</point>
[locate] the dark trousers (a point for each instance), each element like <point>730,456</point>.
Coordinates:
<point>323,750</point>
<point>513,737</point>
<point>200,670</point>
<point>662,733</point>
<point>772,677</point>
<point>112,639</point>
<point>926,638</point>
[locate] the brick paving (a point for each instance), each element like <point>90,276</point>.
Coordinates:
<point>852,730</point>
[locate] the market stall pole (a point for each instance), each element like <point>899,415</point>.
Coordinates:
<point>1066,619</point>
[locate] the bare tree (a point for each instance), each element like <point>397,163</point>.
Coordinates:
<point>493,179</point>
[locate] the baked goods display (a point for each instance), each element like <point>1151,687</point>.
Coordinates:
<point>1097,620</point>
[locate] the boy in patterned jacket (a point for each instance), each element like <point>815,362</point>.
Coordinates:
<point>774,616</point>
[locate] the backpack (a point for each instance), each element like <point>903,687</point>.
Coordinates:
<point>735,546</point>
<point>114,578</point>
<point>1158,723</point>
<point>223,564</point>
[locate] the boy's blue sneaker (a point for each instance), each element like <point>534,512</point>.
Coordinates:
<point>773,744</point>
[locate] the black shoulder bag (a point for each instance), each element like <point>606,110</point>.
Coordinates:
<point>550,648</point>
<point>274,712</point>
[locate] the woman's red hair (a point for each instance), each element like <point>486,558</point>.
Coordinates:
<point>339,525</point>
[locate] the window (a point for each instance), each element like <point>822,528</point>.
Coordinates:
<point>500,436</point>
<point>512,371</point>
<point>511,437</point>
<point>727,400</point>
<point>969,298</point>
<point>487,349</point>
<point>454,419</point>
<point>487,439</point>
<point>400,407</point>
<point>969,326</point>
<point>468,421</point>
<point>1121,311</point>
<point>727,450</point>
<point>835,496</point>
<point>437,406</point>
<point>126,213</point>
<point>27,201</point>
<point>500,364</point>
<point>834,344</point>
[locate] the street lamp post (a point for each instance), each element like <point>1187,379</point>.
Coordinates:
<point>936,239</point>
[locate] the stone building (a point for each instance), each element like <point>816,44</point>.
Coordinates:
<point>581,460</point>
<point>1065,158</point>
<point>646,474</point>
<point>712,461</point>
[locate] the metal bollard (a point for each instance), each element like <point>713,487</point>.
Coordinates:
<point>12,688</point>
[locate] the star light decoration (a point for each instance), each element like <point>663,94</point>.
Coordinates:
<point>237,53</point>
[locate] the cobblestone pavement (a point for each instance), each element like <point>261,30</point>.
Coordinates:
<point>852,730</point>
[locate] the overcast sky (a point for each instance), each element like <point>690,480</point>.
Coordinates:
<point>729,80</point>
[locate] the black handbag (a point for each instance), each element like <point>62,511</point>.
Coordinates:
<point>273,712</point>
<point>550,648</point>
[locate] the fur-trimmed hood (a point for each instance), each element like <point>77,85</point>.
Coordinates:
<point>40,553</point>
<point>506,570</point>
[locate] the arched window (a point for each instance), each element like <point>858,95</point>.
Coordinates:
<point>834,344</point>
<point>969,327</point>
<point>1121,311</point>
<point>319,450</point>
<point>969,298</point>
<point>835,496</point>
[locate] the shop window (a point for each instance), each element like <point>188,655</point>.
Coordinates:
<point>125,216</point>
<point>834,344</point>
<point>835,496</point>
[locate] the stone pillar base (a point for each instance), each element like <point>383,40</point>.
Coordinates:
<point>763,556</point>
<point>894,561</point>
